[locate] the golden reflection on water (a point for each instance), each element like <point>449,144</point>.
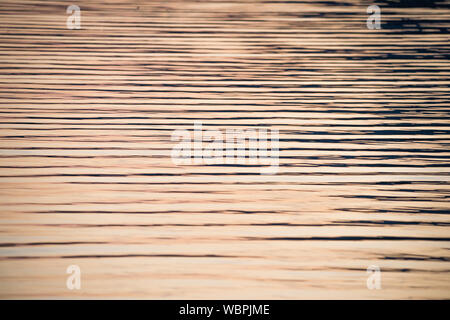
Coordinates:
<point>86,176</point>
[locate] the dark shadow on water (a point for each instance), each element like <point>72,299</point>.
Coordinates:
<point>415,3</point>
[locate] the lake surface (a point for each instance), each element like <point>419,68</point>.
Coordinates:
<point>87,179</point>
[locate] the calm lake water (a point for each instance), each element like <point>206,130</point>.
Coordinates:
<point>86,176</point>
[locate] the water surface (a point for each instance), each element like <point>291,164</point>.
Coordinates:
<point>86,176</point>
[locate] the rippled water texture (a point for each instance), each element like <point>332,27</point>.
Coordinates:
<point>86,176</point>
